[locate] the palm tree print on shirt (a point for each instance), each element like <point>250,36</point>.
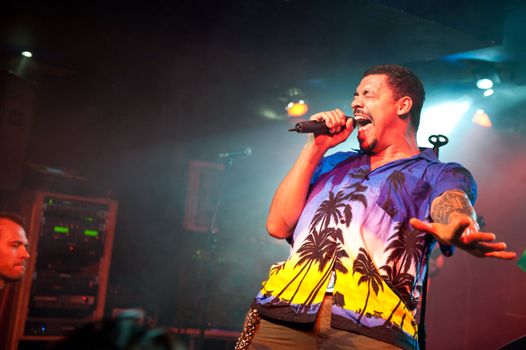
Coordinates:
<point>364,265</point>
<point>400,283</point>
<point>332,255</point>
<point>406,245</point>
<point>337,208</point>
<point>324,244</point>
<point>396,189</point>
<point>406,249</point>
<point>320,248</point>
<point>329,210</point>
<point>316,249</point>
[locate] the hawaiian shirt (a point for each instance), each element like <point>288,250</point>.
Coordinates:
<point>355,225</point>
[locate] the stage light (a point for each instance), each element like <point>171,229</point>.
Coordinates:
<point>27,54</point>
<point>269,113</point>
<point>480,117</point>
<point>484,83</point>
<point>486,74</point>
<point>441,119</point>
<point>488,92</point>
<point>297,105</point>
<point>297,109</point>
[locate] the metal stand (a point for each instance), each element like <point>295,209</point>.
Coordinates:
<point>208,255</point>
<point>437,141</point>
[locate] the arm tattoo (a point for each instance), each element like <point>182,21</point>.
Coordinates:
<point>448,203</point>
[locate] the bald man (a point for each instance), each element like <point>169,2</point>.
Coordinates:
<point>14,252</point>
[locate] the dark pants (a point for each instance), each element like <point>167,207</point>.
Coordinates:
<point>271,335</point>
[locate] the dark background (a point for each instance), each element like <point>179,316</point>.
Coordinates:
<point>127,94</point>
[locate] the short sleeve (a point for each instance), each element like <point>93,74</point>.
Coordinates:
<point>454,176</point>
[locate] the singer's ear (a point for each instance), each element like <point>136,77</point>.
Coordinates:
<point>404,106</point>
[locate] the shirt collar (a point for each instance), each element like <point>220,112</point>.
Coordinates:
<point>426,153</point>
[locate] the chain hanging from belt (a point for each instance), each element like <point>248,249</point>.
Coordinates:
<point>249,330</point>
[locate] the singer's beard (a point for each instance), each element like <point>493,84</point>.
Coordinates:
<point>368,149</point>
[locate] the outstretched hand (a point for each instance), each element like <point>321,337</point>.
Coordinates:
<point>461,231</point>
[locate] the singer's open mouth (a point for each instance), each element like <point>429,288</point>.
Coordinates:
<point>362,121</point>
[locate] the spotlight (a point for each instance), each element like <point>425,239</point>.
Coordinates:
<point>442,118</point>
<point>297,109</point>
<point>484,83</point>
<point>488,92</point>
<point>296,105</point>
<point>269,113</point>
<point>480,117</point>
<point>486,74</point>
<point>27,54</point>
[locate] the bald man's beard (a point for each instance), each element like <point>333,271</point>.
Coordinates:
<point>9,279</point>
<point>12,277</point>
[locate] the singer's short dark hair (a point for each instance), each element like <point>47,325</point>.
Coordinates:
<point>404,83</point>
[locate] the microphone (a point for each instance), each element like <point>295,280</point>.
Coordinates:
<point>316,127</point>
<point>244,152</point>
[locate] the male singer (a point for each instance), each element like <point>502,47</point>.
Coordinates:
<point>362,226</point>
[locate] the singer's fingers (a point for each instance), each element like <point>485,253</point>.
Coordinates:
<point>349,123</point>
<point>322,117</point>
<point>497,246</point>
<point>501,255</point>
<point>318,117</point>
<point>332,121</point>
<point>422,225</point>
<point>340,117</point>
<point>337,121</point>
<point>468,238</point>
<point>332,118</point>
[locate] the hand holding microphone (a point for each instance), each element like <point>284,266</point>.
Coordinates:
<point>316,127</point>
<point>328,129</point>
<point>331,122</point>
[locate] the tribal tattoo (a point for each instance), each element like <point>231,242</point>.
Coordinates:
<point>453,201</point>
